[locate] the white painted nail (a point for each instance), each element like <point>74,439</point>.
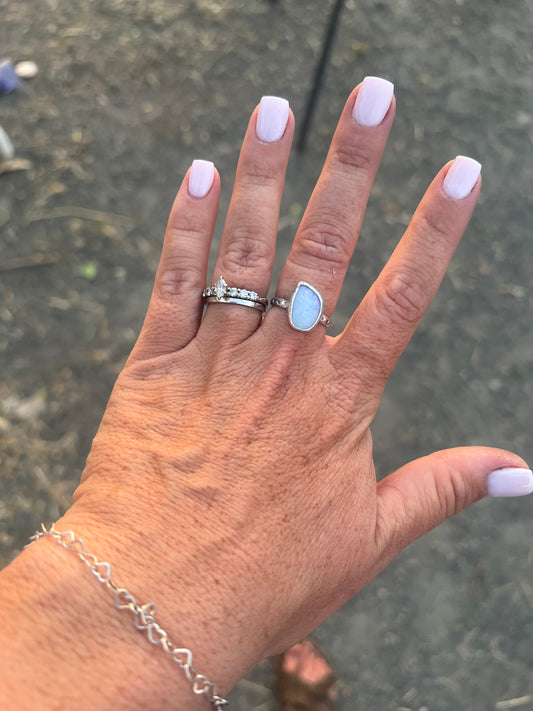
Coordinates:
<point>373,101</point>
<point>461,177</point>
<point>272,118</point>
<point>510,481</point>
<point>201,178</point>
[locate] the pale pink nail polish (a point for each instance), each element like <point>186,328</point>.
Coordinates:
<point>510,481</point>
<point>461,177</point>
<point>201,178</point>
<point>373,101</point>
<point>272,118</point>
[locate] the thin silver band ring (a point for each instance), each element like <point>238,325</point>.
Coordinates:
<point>233,300</point>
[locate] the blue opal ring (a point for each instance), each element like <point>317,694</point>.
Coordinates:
<point>304,307</point>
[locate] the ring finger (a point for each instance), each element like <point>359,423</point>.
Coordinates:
<point>328,233</point>
<point>246,255</point>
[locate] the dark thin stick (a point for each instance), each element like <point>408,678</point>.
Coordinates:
<point>319,72</point>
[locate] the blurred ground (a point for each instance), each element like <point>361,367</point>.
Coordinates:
<point>129,92</point>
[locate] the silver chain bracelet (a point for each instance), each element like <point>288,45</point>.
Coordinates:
<point>144,614</point>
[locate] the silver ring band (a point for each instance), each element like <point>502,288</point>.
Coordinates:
<point>233,300</point>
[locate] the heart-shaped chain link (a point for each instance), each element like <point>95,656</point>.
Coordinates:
<point>90,559</point>
<point>182,657</point>
<point>143,621</point>
<point>78,546</point>
<point>200,685</point>
<point>66,534</point>
<point>155,634</point>
<point>104,567</point>
<point>123,600</point>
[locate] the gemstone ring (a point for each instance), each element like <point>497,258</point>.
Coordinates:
<point>221,293</point>
<point>304,307</point>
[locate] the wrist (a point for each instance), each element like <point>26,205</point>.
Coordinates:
<point>197,572</point>
<point>57,608</point>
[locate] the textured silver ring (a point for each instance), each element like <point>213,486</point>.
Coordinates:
<point>304,307</point>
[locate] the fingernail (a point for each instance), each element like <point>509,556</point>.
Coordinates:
<point>373,101</point>
<point>272,118</point>
<point>510,481</point>
<point>201,178</point>
<point>461,177</point>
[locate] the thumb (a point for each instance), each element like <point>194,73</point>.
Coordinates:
<point>420,495</point>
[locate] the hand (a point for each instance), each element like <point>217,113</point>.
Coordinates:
<point>232,480</point>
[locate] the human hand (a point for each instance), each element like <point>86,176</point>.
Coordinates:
<point>232,478</point>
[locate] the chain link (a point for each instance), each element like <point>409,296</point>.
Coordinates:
<point>144,614</point>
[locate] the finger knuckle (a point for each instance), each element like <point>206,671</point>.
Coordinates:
<point>325,240</point>
<point>178,275</point>
<point>451,493</point>
<point>431,227</point>
<point>388,530</point>
<point>401,298</point>
<point>354,158</point>
<point>185,228</point>
<point>247,249</point>
<point>260,175</point>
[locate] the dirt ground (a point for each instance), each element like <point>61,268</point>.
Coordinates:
<point>128,93</point>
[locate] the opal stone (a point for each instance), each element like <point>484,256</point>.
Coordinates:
<point>306,307</point>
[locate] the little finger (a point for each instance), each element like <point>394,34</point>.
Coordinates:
<point>176,304</point>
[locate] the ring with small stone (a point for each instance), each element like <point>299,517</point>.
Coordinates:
<point>304,307</point>
<point>221,293</point>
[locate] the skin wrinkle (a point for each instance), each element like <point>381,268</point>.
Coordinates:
<point>190,458</point>
<point>324,240</point>
<point>354,162</point>
<point>402,298</point>
<point>208,496</point>
<point>179,276</point>
<point>249,252</point>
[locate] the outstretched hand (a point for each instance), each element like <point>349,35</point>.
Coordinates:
<point>232,477</point>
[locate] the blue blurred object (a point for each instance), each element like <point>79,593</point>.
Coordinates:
<point>8,77</point>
